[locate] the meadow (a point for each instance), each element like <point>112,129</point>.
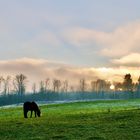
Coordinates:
<point>94,120</point>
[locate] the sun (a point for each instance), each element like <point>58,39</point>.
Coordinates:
<point>112,87</point>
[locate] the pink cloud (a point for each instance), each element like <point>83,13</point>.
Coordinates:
<point>121,41</point>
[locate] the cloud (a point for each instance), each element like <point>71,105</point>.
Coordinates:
<point>132,59</point>
<point>40,69</point>
<point>44,38</point>
<point>121,41</point>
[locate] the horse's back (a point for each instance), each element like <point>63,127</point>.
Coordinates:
<point>27,105</point>
<point>34,105</point>
<point>30,105</point>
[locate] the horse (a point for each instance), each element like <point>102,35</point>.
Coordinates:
<point>31,106</point>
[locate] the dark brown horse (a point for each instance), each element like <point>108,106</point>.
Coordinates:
<point>31,106</point>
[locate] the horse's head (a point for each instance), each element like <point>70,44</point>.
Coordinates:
<point>38,113</point>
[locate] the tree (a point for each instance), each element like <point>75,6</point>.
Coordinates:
<point>83,85</point>
<point>127,84</point>
<point>118,86</point>
<point>20,84</point>
<point>93,86</point>
<point>42,88</point>
<point>56,85</point>
<point>34,88</point>
<point>138,84</point>
<point>71,89</point>
<point>6,84</point>
<point>47,84</point>
<point>65,86</point>
<point>1,79</point>
<point>100,85</point>
<point>139,80</point>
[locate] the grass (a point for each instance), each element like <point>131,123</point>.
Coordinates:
<point>100,120</point>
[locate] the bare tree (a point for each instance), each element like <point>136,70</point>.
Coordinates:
<point>1,79</point>
<point>65,86</point>
<point>42,88</point>
<point>34,88</point>
<point>72,89</point>
<point>56,85</point>
<point>20,84</point>
<point>6,84</point>
<point>100,85</point>
<point>47,84</point>
<point>93,86</point>
<point>83,85</point>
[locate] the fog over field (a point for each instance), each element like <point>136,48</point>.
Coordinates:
<point>42,69</point>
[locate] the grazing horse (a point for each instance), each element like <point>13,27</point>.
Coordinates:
<point>31,106</point>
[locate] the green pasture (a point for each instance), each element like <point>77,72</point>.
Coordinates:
<point>98,120</point>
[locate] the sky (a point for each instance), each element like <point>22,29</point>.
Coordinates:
<point>70,39</point>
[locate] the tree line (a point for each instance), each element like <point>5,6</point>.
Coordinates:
<point>15,85</point>
<point>18,85</point>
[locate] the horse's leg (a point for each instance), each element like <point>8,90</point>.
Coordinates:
<point>35,113</point>
<point>25,114</point>
<point>31,114</point>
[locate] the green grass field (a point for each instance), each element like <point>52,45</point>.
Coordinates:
<point>99,120</point>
